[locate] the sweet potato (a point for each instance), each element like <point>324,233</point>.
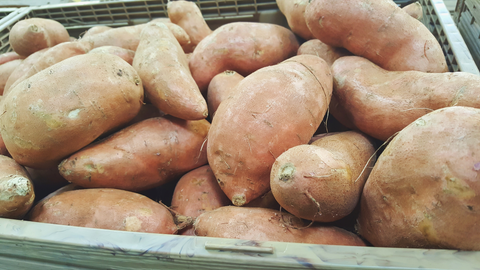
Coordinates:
<point>125,54</point>
<point>241,46</point>
<point>294,13</point>
<point>187,15</point>
<point>272,110</point>
<point>260,224</point>
<point>67,106</point>
<point>219,89</point>
<point>323,181</point>
<point>96,30</point>
<point>31,35</point>
<point>377,30</point>
<point>415,10</point>
<point>111,209</point>
<point>322,50</point>
<point>142,156</point>
<point>52,56</point>
<point>16,189</point>
<point>9,56</point>
<point>197,192</point>
<point>163,67</point>
<point>381,103</point>
<point>267,200</point>
<point>423,190</point>
<point>23,68</point>
<point>6,70</point>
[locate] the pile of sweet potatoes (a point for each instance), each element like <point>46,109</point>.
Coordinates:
<point>342,128</point>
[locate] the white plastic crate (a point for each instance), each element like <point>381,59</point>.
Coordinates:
<point>467,17</point>
<point>31,245</point>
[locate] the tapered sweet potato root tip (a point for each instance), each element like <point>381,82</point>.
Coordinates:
<point>239,200</point>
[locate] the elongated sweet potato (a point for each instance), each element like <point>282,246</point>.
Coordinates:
<point>323,181</point>
<point>322,50</point>
<point>142,156</point>
<point>424,189</point>
<point>260,224</point>
<point>6,70</point>
<point>67,106</point>
<point>163,67</point>
<point>16,189</point>
<point>380,102</point>
<point>52,56</point>
<point>241,46</point>
<point>187,15</point>
<point>105,209</point>
<point>23,68</point>
<point>272,110</point>
<point>220,88</point>
<point>9,56</point>
<point>378,30</point>
<point>196,193</point>
<point>125,54</point>
<point>31,35</point>
<point>294,12</point>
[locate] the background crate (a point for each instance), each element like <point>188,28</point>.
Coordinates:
<point>467,17</point>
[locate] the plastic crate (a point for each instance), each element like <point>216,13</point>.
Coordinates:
<point>30,245</point>
<point>467,17</point>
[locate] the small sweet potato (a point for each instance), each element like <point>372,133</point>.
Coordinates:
<point>241,46</point>
<point>163,67</point>
<point>16,189</point>
<point>196,193</point>
<point>111,209</point>
<point>323,181</point>
<point>31,35</point>
<point>220,88</point>
<point>380,102</point>
<point>424,189</point>
<point>125,54</point>
<point>23,68</point>
<point>261,224</point>
<point>9,56</point>
<point>6,70</point>
<point>272,110</point>
<point>378,30</point>
<point>322,50</point>
<point>67,106</point>
<point>187,15</point>
<point>294,12</point>
<point>142,156</point>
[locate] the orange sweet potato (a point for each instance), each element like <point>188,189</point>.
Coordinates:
<point>294,12</point>
<point>377,30</point>
<point>272,110</point>
<point>380,102</point>
<point>6,70</point>
<point>111,209</point>
<point>67,106</point>
<point>163,67</point>
<point>323,181</point>
<point>125,54</point>
<point>197,192</point>
<point>187,15</point>
<point>220,88</point>
<point>31,35</point>
<point>261,224</point>
<point>322,50</point>
<point>424,189</point>
<point>243,47</point>
<point>142,156</point>
<point>23,68</point>
<point>16,189</point>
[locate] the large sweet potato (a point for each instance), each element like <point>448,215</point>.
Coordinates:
<point>142,156</point>
<point>125,54</point>
<point>272,110</point>
<point>9,56</point>
<point>378,30</point>
<point>111,209</point>
<point>424,189</point>
<point>381,103</point>
<point>243,47</point>
<point>65,107</point>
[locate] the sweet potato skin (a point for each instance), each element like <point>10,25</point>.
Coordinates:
<point>57,111</point>
<point>125,54</point>
<point>381,103</point>
<point>423,190</point>
<point>16,189</point>
<point>261,224</point>
<point>23,68</point>
<point>294,12</point>
<point>322,50</point>
<point>415,10</point>
<point>142,156</point>
<point>31,35</point>
<point>6,70</point>
<point>323,181</point>
<point>9,56</point>
<point>377,30</point>
<point>111,209</point>
<point>220,88</point>
<point>252,127</point>
<point>243,47</point>
<point>163,67</point>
